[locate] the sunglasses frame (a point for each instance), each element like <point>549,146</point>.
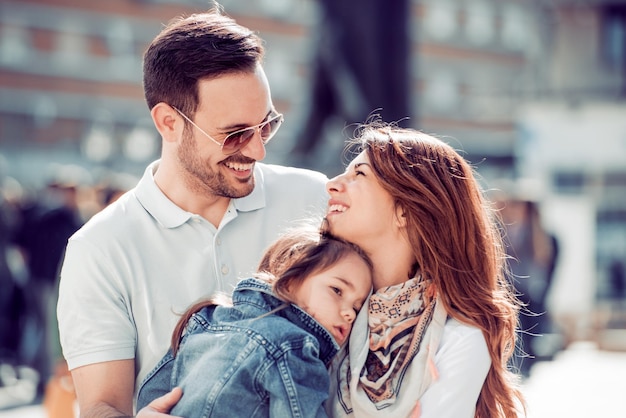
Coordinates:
<point>239,144</point>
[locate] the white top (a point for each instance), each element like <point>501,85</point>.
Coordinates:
<point>138,264</point>
<point>462,361</point>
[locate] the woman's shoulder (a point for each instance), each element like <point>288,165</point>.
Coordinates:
<point>455,330</point>
<point>454,327</point>
<point>459,337</point>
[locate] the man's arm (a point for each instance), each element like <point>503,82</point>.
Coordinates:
<point>105,389</point>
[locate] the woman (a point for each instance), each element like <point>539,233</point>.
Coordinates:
<point>440,329</point>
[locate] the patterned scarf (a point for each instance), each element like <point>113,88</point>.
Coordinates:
<point>398,318</point>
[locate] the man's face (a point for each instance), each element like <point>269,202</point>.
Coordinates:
<point>226,104</point>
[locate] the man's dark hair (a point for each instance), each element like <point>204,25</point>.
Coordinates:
<point>200,46</point>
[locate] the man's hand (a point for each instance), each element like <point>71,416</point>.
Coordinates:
<point>160,407</point>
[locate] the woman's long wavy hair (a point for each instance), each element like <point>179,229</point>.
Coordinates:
<point>295,255</point>
<point>457,241</point>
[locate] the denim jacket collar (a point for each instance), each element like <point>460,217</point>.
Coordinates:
<point>257,294</point>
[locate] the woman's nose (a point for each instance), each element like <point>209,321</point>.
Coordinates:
<point>334,184</point>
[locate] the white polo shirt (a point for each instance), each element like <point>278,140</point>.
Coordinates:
<point>138,264</point>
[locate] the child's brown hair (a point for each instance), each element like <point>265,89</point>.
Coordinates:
<point>294,256</point>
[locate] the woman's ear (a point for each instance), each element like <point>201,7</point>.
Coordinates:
<point>167,122</point>
<point>400,217</point>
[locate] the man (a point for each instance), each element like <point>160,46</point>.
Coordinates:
<point>197,221</point>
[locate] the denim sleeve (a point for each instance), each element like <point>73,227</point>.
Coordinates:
<point>157,383</point>
<point>301,386</point>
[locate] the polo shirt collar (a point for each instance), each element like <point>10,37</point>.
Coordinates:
<point>169,215</point>
<point>256,199</point>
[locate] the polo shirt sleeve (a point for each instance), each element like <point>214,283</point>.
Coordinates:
<point>93,312</point>
<point>462,362</point>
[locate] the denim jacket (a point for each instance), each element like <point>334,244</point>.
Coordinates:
<point>247,361</point>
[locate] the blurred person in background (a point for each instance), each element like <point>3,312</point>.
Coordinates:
<point>47,221</point>
<point>12,301</point>
<point>532,253</point>
<point>617,289</point>
<point>198,219</point>
<point>60,397</point>
<point>114,187</point>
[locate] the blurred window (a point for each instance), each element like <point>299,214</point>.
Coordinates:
<point>442,92</point>
<point>71,49</point>
<point>614,36</point>
<point>515,27</point>
<point>569,182</point>
<point>14,44</point>
<point>479,22</point>
<point>441,19</point>
<point>615,179</point>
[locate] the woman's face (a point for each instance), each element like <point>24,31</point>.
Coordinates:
<point>359,209</point>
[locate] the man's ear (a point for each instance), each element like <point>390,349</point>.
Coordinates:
<point>167,122</point>
<point>400,217</point>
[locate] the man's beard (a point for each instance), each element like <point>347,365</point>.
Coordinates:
<point>201,178</point>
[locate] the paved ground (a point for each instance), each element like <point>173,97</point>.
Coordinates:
<point>582,381</point>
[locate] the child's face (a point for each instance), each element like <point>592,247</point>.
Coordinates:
<point>334,297</point>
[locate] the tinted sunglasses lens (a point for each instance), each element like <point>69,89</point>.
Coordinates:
<point>237,140</point>
<point>269,129</point>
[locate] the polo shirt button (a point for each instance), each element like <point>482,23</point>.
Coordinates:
<point>225,269</point>
<point>218,241</point>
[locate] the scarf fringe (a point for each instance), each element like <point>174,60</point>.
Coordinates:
<point>432,367</point>
<point>417,411</point>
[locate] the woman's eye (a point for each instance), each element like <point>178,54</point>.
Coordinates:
<point>359,173</point>
<point>336,290</point>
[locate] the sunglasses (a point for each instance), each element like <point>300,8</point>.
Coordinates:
<point>235,141</point>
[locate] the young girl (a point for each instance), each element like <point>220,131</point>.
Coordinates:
<point>265,351</point>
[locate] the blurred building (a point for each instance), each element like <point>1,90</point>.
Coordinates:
<point>531,89</point>
<point>70,74</point>
<point>572,141</point>
<point>535,92</point>
<point>476,62</point>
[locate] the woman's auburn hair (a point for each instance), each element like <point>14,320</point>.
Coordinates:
<point>457,241</point>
